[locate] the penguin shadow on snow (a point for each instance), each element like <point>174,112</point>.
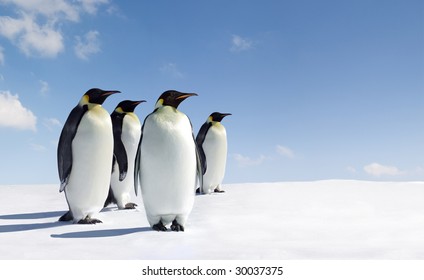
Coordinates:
<point>101,233</point>
<point>30,216</point>
<point>30,226</point>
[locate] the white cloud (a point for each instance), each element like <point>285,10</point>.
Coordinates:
<point>31,37</point>
<point>35,29</point>
<point>51,9</point>
<point>247,161</point>
<point>377,170</point>
<point>88,45</point>
<point>44,87</point>
<point>284,151</point>
<point>91,6</point>
<point>172,70</point>
<point>38,147</point>
<point>14,114</point>
<point>1,56</point>
<point>115,11</point>
<point>351,169</point>
<point>240,44</point>
<point>52,123</point>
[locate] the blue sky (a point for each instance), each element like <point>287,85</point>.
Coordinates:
<point>318,89</point>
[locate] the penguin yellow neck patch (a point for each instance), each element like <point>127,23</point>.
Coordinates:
<point>85,100</point>
<point>119,110</point>
<point>159,103</point>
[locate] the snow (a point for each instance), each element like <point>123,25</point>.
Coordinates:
<point>333,219</point>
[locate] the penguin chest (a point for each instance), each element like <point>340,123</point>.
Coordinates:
<point>131,132</point>
<point>92,152</point>
<point>215,148</point>
<point>168,164</point>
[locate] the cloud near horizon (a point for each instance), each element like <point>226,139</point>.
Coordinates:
<point>378,170</point>
<point>13,114</point>
<point>244,161</point>
<point>284,151</point>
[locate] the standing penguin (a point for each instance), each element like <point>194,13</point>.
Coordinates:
<point>167,164</point>
<point>126,135</point>
<point>84,157</point>
<point>212,145</point>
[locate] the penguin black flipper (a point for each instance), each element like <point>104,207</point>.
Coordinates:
<point>64,151</point>
<point>137,167</point>
<point>200,160</point>
<point>200,138</point>
<point>137,158</point>
<point>119,151</point>
<point>199,164</point>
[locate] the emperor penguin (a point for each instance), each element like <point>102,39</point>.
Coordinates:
<point>84,157</point>
<point>126,134</point>
<point>212,145</point>
<point>167,164</point>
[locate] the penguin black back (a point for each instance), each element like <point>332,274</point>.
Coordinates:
<point>119,152</point>
<point>64,151</point>
<point>200,138</point>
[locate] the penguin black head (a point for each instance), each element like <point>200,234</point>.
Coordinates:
<point>217,117</point>
<point>172,98</point>
<point>97,96</point>
<point>127,106</point>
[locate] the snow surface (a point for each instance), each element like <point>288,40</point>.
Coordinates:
<point>334,219</point>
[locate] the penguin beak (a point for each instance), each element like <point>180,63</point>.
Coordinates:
<point>185,95</point>
<point>138,102</point>
<point>110,92</point>
<point>221,116</point>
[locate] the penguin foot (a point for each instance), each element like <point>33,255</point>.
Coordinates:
<point>66,217</point>
<point>89,221</point>
<point>176,226</point>
<point>198,190</point>
<point>218,191</point>
<point>159,227</point>
<point>130,205</point>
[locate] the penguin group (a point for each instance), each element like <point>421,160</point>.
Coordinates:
<point>103,157</point>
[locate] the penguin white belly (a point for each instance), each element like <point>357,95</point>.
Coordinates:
<point>131,131</point>
<point>168,167</point>
<point>215,148</point>
<point>92,151</point>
